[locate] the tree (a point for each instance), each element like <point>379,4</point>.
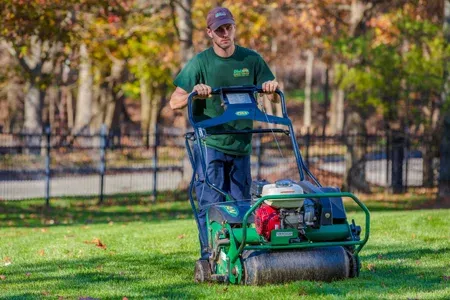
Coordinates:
<point>444,174</point>
<point>36,32</point>
<point>399,61</point>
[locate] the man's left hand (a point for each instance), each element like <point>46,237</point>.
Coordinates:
<point>270,86</point>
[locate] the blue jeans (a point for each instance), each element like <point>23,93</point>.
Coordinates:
<point>230,173</point>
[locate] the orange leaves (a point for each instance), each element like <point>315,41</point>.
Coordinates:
<point>97,243</point>
<point>385,31</point>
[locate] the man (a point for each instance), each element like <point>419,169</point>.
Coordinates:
<point>227,156</point>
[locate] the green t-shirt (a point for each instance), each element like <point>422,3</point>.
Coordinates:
<point>244,67</point>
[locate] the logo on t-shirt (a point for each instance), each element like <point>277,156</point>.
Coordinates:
<point>241,73</point>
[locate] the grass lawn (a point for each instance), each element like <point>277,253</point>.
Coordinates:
<point>130,248</point>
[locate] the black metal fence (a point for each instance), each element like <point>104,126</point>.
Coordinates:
<point>51,165</point>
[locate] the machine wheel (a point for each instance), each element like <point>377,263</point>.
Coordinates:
<point>355,264</point>
<point>202,271</point>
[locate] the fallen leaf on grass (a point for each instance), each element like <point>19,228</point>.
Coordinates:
<point>41,252</point>
<point>45,293</point>
<point>97,243</point>
<point>181,236</point>
<point>371,267</point>
<point>2,277</point>
<point>7,261</point>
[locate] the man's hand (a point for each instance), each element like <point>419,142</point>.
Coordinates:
<point>270,86</point>
<point>203,90</point>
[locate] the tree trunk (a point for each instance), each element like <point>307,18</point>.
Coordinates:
<point>183,10</point>
<point>356,141</point>
<point>145,104</point>
<point>444,172</point>
<point>154,114</point>
<point>113,100</point>
<point>70,110</point>
<point>444,175</point>
<point>13,95</point>
<point>308,88</point>
<point>326,89</point>
<point>358,8</point>
<point>52,96</point>
<point>97,104</point>
<point>83,112</point>
<point>34,96</point>
<point>185,26</point>
<point>340,119</point>
<point>336,106</point>
<point>33,118</point>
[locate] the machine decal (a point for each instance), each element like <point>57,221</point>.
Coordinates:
<point>231,210</point>
<point>242,113</point>
<point>283,234</point>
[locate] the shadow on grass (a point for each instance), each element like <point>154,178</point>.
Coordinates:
<point>153,275</point>
<point>66,212</point>
<point>170,276</point>
<point>138,207</point>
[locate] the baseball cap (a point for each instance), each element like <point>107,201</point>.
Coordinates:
<point>219,16</point>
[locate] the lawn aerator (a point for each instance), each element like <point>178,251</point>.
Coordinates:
<point>289,230</point>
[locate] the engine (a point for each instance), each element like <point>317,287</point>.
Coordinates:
<point>283,214</point>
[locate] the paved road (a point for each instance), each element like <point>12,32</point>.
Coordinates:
<point>376,171</point>
<point>88,185</point>
<point>168,180</point>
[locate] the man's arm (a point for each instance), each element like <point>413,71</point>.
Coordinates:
<point>179,98</point>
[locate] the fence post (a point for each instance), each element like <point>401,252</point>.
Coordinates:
<point>388,158</point>
<point>155,162</point>
<point>258,155</point>
<point>397,162</point>
<point>407,153</point>
<point>102,169</point>
<point>47,167</point>
<point>307,144</point>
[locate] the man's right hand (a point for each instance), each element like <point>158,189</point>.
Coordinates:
<point>203,91</point>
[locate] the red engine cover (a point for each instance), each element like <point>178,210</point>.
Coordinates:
<point>267,219</point>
